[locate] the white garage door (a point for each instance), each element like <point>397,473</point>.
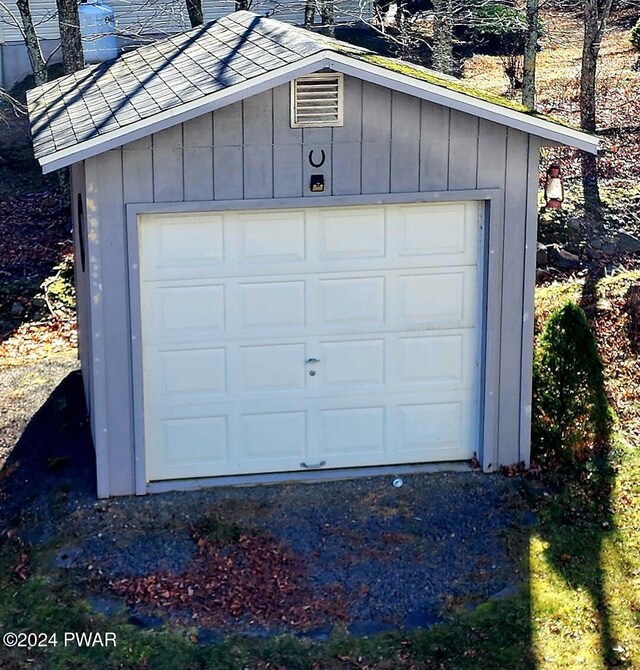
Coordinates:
<point>324,337</point>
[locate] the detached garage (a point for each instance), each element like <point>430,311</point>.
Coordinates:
<point>295,259</point>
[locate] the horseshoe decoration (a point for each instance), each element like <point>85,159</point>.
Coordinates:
<point>320,163</point>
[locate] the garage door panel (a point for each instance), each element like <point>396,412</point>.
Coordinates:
<point>192,372</point>
<point>357,301</point>
<point>437,300</point>
<point>271,237</point>
<point>274,436</point>
<point>346,364</point>
<point>441,229</point>
<point>183,313</point>
<point>190,447</point>
<point>271,305</point>
<point>440,359</point>
<point>272,368</point>
<point>427,426</point>
<point>354,431</point>
<point>349,235</point>
<point>180,246</point>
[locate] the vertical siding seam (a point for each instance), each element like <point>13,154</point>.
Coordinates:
<point>420,145</point>
<point>129,352</point>
<point>213,157</point>
<point>502,280</point>
<point>477,150</point>
<point>244,162</point>
<point>391,97</point>
<point>448,146</point>
<point>528,285</point>
<point>273,146</point>
<point>361,129</point>
<point>153,169</point>
<point>184,185</point>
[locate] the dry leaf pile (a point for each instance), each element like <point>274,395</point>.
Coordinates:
<point>257,578</point>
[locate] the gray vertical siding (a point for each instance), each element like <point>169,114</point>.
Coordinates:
<point>390,143</point>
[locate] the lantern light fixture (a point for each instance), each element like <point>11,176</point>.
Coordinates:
<point>554,187</point>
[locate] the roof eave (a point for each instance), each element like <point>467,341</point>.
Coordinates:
<point>376,74</point>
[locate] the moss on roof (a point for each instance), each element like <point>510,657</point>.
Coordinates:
<point>450,83</point>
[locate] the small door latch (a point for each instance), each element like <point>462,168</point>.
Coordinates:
<point>313,360</point>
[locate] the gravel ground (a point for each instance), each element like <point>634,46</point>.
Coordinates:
<point>401,557</point>
<point>23,389</point>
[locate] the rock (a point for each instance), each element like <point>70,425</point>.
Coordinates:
<point>529,519</point>
<point>316,634</point>
<point>542,275</point>
<point>106,606</point>
<point>542,256</point>
<point>17,309</point>
<point>506,592</point>
<point>367,628</point>
<point>592,254</point>
<point>629,243</point>
<point>208,636</point>
<point>145,621</point>
<point>574,224</point>
<point>66,557</point>
<point>259,632</point>
<point>38,303</point>
<point>609,248</point>
<point>563,259</point>
<point>420,619</point>
<point>596,243</point>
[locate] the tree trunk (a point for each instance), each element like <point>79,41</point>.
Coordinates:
<point>33,43</point>
<point>70,41</point>
<point>309,13</point>
<point>327,19</point>
<point>595,23</point>
<point>194,9</point>
<point>530,53</point>
<point>442,59</point>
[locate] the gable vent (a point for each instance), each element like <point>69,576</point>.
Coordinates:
<point>316,100</point>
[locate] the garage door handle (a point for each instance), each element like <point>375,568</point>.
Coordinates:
<point>313,465</point>
<point>313,360</point>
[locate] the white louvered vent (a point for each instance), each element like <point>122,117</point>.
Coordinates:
<point>316,100</point>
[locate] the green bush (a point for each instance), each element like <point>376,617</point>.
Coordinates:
<point>571,412</point>
<point>495,27</point>
<point>634,35</point>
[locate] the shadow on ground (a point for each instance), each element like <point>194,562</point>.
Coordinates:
<point>53,458</point>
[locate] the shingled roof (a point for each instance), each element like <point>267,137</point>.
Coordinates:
<point>170,81</point>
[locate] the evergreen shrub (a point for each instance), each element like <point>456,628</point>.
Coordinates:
<point>571,412</point>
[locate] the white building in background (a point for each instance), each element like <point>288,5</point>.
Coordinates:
<point>139,21</point>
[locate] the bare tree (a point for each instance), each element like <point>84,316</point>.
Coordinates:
<point>70,40</point>
<point>32,42</point>
<point>194,9</point>
<point>530,52</point>
<point>443,18</point>
<point>596,14</point>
